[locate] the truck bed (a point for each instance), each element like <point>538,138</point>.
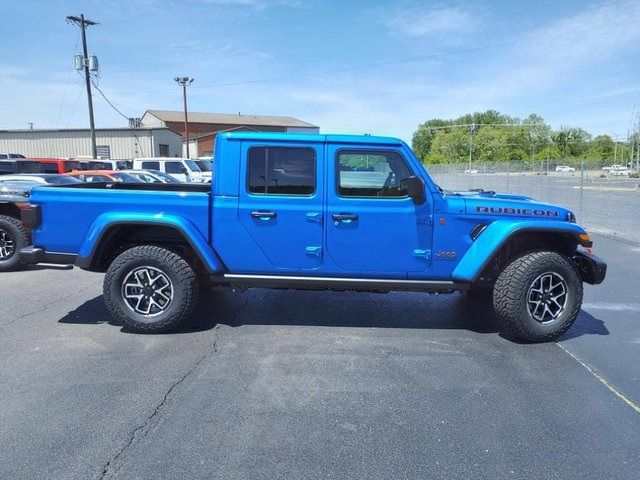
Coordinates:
<point>74,213</point>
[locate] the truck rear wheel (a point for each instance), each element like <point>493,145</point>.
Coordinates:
<point>150,289</point>
<point>538,295</point>
<point>13,237</point>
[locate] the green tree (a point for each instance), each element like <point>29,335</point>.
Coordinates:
<point>449,146</point>
<point>571,142</point>
<point>601,148</point>
<point>424,135</point>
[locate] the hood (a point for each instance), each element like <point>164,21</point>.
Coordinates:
<point>478,202</point>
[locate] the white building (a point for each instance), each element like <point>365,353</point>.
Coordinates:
<point>111,142</point>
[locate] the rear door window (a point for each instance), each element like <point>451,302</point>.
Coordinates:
<point>281,171</point>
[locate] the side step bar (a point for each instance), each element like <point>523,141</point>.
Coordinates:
<point>346,283</point>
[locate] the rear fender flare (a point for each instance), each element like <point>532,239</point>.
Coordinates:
<point>489,242</point>
<point>104,222</point>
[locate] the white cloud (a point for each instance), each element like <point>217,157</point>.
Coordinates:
<point>416,21</point>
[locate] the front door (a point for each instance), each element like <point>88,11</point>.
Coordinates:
<point>281,199</point>
<point>373,227</point>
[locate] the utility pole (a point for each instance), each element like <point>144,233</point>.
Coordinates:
<point>184,82</point>
<point>471,129</point>
<point>83,23</point>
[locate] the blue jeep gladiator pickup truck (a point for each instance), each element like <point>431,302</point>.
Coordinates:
<point>315,212</point>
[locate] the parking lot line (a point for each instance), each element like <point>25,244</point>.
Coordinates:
<point>601,379</point>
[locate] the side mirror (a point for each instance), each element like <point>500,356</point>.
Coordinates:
<point>415,189</point>
<point>184,170</point>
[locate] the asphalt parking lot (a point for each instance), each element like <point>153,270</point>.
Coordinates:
<point>283,384</point>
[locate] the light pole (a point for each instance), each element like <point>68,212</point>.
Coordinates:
<point>615,148</point>
<point>184,82</point>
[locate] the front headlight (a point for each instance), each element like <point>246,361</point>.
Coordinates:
<point>571,218</point>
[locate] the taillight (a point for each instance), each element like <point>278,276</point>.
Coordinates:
<point>29,215</point>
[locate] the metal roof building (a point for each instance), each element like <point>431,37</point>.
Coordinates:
<point>111,142</point>
<point>210,122</point>
<point>203,127</point>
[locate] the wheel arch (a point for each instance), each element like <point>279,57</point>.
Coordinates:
<point>107,239</point>
<point>502,241</point>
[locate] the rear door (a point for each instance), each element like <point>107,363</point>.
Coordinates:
<point>373,227</point>
<point>280,203</point>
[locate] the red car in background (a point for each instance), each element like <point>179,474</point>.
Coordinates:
<point>57,165</point>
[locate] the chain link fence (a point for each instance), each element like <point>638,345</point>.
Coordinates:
<point>605,201</point>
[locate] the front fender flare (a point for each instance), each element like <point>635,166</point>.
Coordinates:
<point>104,222</point>
<point>498,233</point>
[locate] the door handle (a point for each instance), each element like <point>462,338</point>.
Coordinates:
<point>264,215</point>
<point>342,217</point>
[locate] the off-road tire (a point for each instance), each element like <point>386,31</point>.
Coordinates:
<point>512,287</point>
<point>181,275</point>
<point>21,239</point>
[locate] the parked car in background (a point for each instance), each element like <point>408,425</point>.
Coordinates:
<point>13,165</point>
<point>471,171</point>
<point>39,179</point>
<point>612,167</point>
<point>57,165</point>
<point>151,176</point>
<point>13,234</point>
<point>118,164</point>
<point>93,165</point>
<point>622,171</point>
<point>565,169</point>
<point>182,169</point>
<point>92,176</point>
<point>206,166</point>
<point>11,155</point>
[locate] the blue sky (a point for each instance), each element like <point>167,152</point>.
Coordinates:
<point>350,67</point>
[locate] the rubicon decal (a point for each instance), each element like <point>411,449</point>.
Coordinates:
<point>535,212</point>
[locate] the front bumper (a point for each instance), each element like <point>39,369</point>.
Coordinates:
<point>32,255</point>
<point>592,269</point>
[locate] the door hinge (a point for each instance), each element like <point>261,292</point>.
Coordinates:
<point>422,253</point>
<point>315,217</point>
<point>313,251</point>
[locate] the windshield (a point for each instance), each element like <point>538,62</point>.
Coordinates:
<point>192,165</point>
<point>60,180</point>
<point>205,165</point>
<point>164,177</point>
<point>125,177</point>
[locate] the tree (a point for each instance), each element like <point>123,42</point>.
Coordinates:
<point>571,142</point>
<point>424,135</point>
<point>601,148</point>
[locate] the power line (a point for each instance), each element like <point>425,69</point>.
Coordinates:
<point>525,39</point>
<point>95,85</point>
<point>338,70</point>
<point>66,85</point>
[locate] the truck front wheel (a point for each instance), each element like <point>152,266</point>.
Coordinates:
<point>150,289</point>
<point>538,295</point>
